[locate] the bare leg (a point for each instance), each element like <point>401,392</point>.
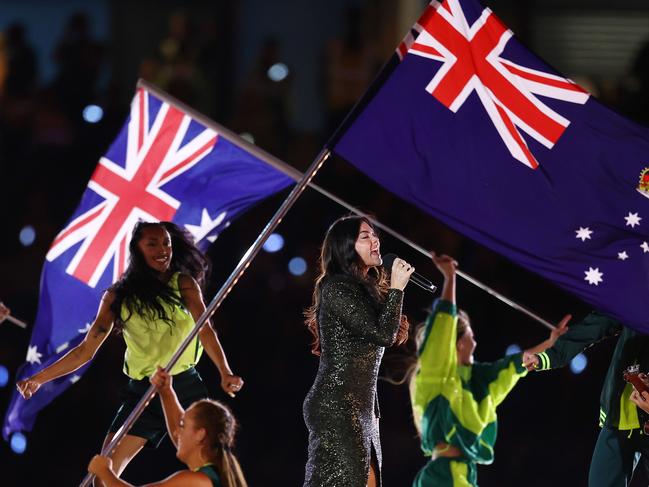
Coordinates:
<point>123,454</point>
<point>371,481</point>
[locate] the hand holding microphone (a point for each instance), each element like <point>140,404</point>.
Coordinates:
<point>403,270</point>
<point>400,273</point>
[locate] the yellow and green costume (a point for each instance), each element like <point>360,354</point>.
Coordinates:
<point>149,343</point>
<point>456,404</point>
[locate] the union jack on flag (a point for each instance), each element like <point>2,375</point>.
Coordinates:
<point>454,125</point>
<point>163,165</point>
<point>472,62</point>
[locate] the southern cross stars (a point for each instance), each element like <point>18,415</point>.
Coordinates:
<point>583,233</point>
<point>207,225</point>
<point>632,219</point>
<point>593,276</point>
<point>33,355</point>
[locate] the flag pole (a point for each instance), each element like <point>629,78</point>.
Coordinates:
<point>229,284</point>
<point>16,321</point>
<point>293,173</point>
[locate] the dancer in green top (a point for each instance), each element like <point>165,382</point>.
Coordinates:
<point>155,304</point>
<point>203,436</point>
<point>454,400</point>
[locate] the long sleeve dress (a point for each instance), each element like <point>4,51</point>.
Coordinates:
<point>341,409</point>
<point>456,404</point>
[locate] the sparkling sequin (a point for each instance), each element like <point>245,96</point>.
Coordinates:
<point>341,409</point>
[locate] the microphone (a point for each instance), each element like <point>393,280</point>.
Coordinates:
<point>415,278</point>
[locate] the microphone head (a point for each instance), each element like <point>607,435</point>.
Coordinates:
<point>388,260</point>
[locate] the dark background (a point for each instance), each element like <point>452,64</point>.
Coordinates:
<point>58,57</point>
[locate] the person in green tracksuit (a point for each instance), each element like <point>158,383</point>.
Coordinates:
<point>621,437</point>
<point>454,400</point>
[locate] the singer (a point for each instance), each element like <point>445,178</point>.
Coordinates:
<point>355,314</point>
<point>454,400</point>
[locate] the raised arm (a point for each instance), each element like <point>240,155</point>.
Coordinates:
<point>560,330</point>
<point>193,299</point>
<point>79,355</point>
<point>173,411</point>
<point>438,350</point>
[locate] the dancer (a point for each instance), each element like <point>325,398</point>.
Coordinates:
<point>355,314</point>
<point>155,304</point>
<point>203,436</point>
<point>454,400</point>
<point>621,437</point>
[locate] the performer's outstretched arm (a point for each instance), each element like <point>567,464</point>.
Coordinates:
<point>79,355</point>
<point>594,328</point>
<point>193,299</point>
<point>560,330</point>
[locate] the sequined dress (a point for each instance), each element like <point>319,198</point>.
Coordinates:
<point>341,409</point>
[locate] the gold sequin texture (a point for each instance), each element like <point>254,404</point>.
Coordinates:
<point>341,409</point>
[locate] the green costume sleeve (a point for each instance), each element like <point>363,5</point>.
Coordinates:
<point>437,355</point>
<point>500,376</point>
<point>594,328</point>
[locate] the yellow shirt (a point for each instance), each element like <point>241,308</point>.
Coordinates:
<point>150,343</point>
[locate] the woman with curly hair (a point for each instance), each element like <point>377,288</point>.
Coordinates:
<point>355,314</point>
<point>155,305</point>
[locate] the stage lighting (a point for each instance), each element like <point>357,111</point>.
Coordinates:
<point>274,243</point>
<point>278,72</point>
<point>578,364</point>
<point>18,442</point>
<point>93,113</point>
<point>27,235</point>
<point>512,349</point>
<point>297,266</point>
<point>4,376</point>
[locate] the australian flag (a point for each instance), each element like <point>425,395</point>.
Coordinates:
<point>471,127</point>
<point>164,165</point>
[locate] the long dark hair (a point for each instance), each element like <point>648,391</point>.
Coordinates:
<point>220,426</point>
<point>338,256</point>
<point>141,291</point>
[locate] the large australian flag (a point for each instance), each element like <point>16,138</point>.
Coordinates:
<point>163,165</point>
<point>474,129</point>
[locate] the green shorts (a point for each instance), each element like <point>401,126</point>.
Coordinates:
<point>151,425</point>
<point>447,472</point>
